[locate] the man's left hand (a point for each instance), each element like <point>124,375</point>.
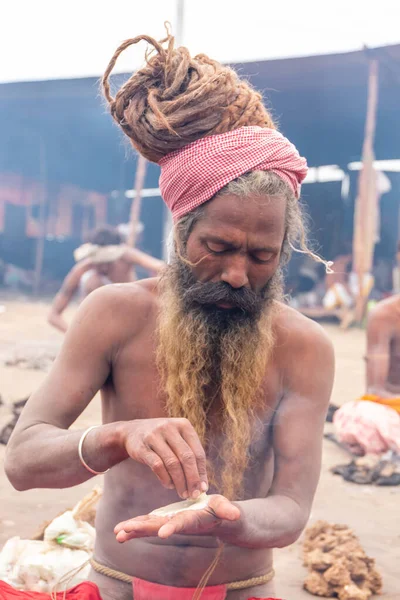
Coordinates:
<point>206,521</point>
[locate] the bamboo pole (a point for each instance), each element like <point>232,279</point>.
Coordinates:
<point>365,217</point>
<point>39,255</point>
<point>137,200</point>
<point>180,19</point>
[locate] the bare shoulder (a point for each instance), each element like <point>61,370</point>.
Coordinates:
<point>120,307</point>
<point>304,355</point>
<point>383,322</point>
<point>300,338</point>
<point>385,310</point>
<point>292,326</point>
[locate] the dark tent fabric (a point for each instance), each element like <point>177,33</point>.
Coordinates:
<point>319,102</point>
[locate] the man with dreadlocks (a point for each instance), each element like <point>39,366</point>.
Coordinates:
<point>209,382</point>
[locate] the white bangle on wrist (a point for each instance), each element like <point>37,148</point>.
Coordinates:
<point>84,463</point>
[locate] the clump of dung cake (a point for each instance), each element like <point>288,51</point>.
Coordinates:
<point>337,564</point>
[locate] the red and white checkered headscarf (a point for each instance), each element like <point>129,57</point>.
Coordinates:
<point>194,174</point>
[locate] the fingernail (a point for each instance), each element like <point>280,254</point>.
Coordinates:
<point>185,495</point>
<point>196,494</point>
<point>204,486</point>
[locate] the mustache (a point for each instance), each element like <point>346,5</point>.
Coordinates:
<point>222,293</point>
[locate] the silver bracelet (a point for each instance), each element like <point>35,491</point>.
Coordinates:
<point>84,463</point>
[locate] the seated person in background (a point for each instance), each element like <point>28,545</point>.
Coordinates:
<point>342,287</point>
<point>383,349</point>
<point>103,260</point>
<point>383,278</point>
<point>371,424</point>
<point>308,289</point>
<point>336,283</point>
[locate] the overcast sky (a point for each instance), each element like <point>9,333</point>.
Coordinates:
<point>47,39</point>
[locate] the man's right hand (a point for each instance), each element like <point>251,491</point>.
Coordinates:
<point>172,450</point>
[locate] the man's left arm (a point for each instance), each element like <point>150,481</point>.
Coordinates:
<point>141,259</point>
<point>277,520</point>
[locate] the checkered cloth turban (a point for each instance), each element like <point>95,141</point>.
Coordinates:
<point>194,174</point>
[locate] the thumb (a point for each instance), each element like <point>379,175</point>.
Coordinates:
<point>224,509</point>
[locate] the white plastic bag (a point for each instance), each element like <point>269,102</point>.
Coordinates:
<point>67,531</point>
<point>38,566</point>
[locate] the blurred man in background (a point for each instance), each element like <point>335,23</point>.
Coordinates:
<point>103,260</point>
<point>383,349</point>
<point>371,424</point>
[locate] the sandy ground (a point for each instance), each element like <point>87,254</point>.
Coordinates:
<point>372,512</point>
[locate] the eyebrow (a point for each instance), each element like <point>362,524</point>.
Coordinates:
<point>266,249</point>
<point>220,240</point>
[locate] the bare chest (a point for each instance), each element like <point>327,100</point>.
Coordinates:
<point>134,391</point>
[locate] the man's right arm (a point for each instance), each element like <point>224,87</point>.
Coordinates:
<point>41,451</point>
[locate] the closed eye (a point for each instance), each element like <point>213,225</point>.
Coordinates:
<point>263,257</point>
<point>216,248</point>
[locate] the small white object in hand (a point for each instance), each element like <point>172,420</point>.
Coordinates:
<point>173,509</point>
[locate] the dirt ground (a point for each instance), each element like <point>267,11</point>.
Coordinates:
<point>372,512</point>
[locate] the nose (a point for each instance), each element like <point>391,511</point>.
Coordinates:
<point>235,272</point>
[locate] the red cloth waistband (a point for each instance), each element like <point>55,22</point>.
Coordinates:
<point>144,590</point>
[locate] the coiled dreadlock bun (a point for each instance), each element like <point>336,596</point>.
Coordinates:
<point>176,99</point>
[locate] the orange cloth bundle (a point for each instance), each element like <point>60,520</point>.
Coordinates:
<point>390,402</point>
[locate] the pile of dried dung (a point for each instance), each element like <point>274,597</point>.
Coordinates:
<point>337,564</point>
<point>371,469</point>
<point>11,420</point>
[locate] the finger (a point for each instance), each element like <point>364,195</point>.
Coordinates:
<point>123,536</point>
<point>146,524</point>
<point>188,462</point>
<point>223,509</point>
<point>155,462</point>
<point>178,524</point>
<point>189,522</point>
<point>167,530</point>
<point>192,439</point>
<point>120,526</point>
<point>172,466</point>
<point>139,532</point>
<point>139,529</point>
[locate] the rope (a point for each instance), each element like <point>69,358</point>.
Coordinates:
<point>110,572</point>
<point>234,585</point>
<point>248,583</point>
